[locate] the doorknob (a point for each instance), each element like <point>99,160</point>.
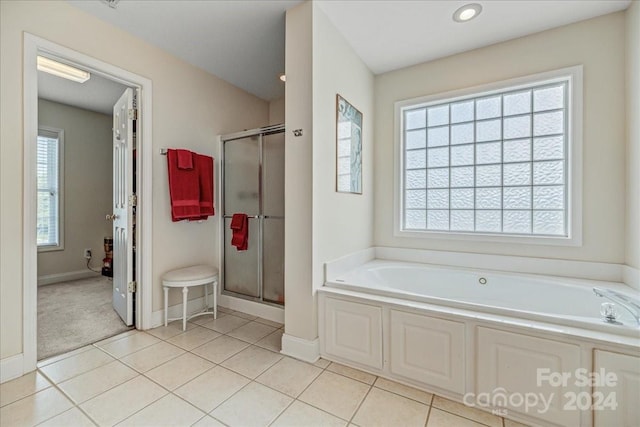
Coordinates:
<point>111,217</point>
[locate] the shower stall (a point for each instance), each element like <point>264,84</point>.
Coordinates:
<point>253,184</point>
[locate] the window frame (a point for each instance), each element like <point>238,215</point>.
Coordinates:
<point>573,157</point>
<point>52,132</point>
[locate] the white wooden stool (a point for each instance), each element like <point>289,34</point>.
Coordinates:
<point>197,275</point>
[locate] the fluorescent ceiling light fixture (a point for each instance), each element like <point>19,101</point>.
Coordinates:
<point>62,70</point>
<point>283,77</point>
<point>467,12</point>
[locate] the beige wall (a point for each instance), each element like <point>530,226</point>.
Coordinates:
<point>321,224</point>
<point>599,45</point>
<point>276,111</point>
<point>299,312</point>
<point>342,222</point>
<point>190,108</point>
<point>88,171</point>
<point>633,135</point>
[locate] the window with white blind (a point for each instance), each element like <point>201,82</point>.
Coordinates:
<point>49,183</point>
<point>493,161</point>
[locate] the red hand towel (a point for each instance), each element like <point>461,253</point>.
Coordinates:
<point>204,165</point>
<point>185,159</point>
<point>240,227</point>
<point>184,189</point>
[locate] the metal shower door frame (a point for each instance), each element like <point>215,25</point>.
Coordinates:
<point>260,133</point>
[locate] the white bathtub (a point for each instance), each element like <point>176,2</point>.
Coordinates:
<point>562,301</point>
<point>465,333</point>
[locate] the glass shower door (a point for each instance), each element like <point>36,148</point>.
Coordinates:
<point>273,223</point>
<point>242,269</point>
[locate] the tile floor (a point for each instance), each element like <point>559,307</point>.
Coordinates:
<point>219,372</point>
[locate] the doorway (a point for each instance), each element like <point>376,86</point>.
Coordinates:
<point>33,47</point>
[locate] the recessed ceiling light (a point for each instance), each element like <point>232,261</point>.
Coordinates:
<point>62,70</point>
<point>467,12</point>
<point>283,77</point>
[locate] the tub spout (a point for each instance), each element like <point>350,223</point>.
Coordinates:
<point>630,304</point>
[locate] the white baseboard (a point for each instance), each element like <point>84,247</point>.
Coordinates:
<point>631,276</point>
<point>64,277</point>
<point>269,312</point>
<point>11,367</point>
<point>305,350</point>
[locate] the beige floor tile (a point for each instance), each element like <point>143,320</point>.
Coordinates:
<point>252,361</point>
<point>152,356</point>
<point>289,376</point>
<point>244,315</point>
<point>171,330</point>
<point>220,349</point>
<point>439,418</point>
<point>403,390</point>
<point>511,423</point>
<point>382,408</point>
<point>226,323</point>
<point>50,360</point>
<point>168,411</point>
<point>467,412</point>
<point>211,388</point>
<point>208,421</point>
<point>269,322</point>
<point>200,320</point>
<point>76,365</point>
<point>224,310</point>
<point>129,344</point>
<point>272,341</point>
<point>254,405</point>
<point>90,384</point>
<point>338,395</point>
<point>23,386</point>
<point>193,338</point>
<point>178,371</point>
<point>252,332</point>
<point>34,409</point>
<point>116,337</point>
<point>71,418</point>
<point>356,374</point>
<point>322,363</point>
<point>120,402</point>
<point>300,414</point>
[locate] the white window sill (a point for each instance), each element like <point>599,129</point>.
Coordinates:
<point>490,238</point>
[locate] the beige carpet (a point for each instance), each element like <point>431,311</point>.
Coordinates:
<point>74,314</point>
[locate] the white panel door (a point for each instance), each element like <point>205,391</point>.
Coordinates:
<point>508,364</point>
<point>123,144</point>
<point>623,392</point>
<point>428,350</point>
<point>353,331</point>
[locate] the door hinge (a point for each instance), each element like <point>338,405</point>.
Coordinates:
<point>133,200</point>
<point>133,114</point>
<point>132,286</point>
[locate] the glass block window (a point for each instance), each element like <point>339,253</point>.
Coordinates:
<point>490,163</point>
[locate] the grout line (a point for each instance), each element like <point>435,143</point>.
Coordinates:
<point>360,405</point>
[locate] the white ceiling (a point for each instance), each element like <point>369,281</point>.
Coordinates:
<point>393,34</point>
<point>243,41</point>
<point>96,94</point>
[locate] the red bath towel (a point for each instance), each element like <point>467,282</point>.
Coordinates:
<point>185,159</point>
<point>184,189</point>
<point>240,227</point>
<point>204,165</point>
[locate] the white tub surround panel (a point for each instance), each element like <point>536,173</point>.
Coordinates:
<point>461,354</point>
